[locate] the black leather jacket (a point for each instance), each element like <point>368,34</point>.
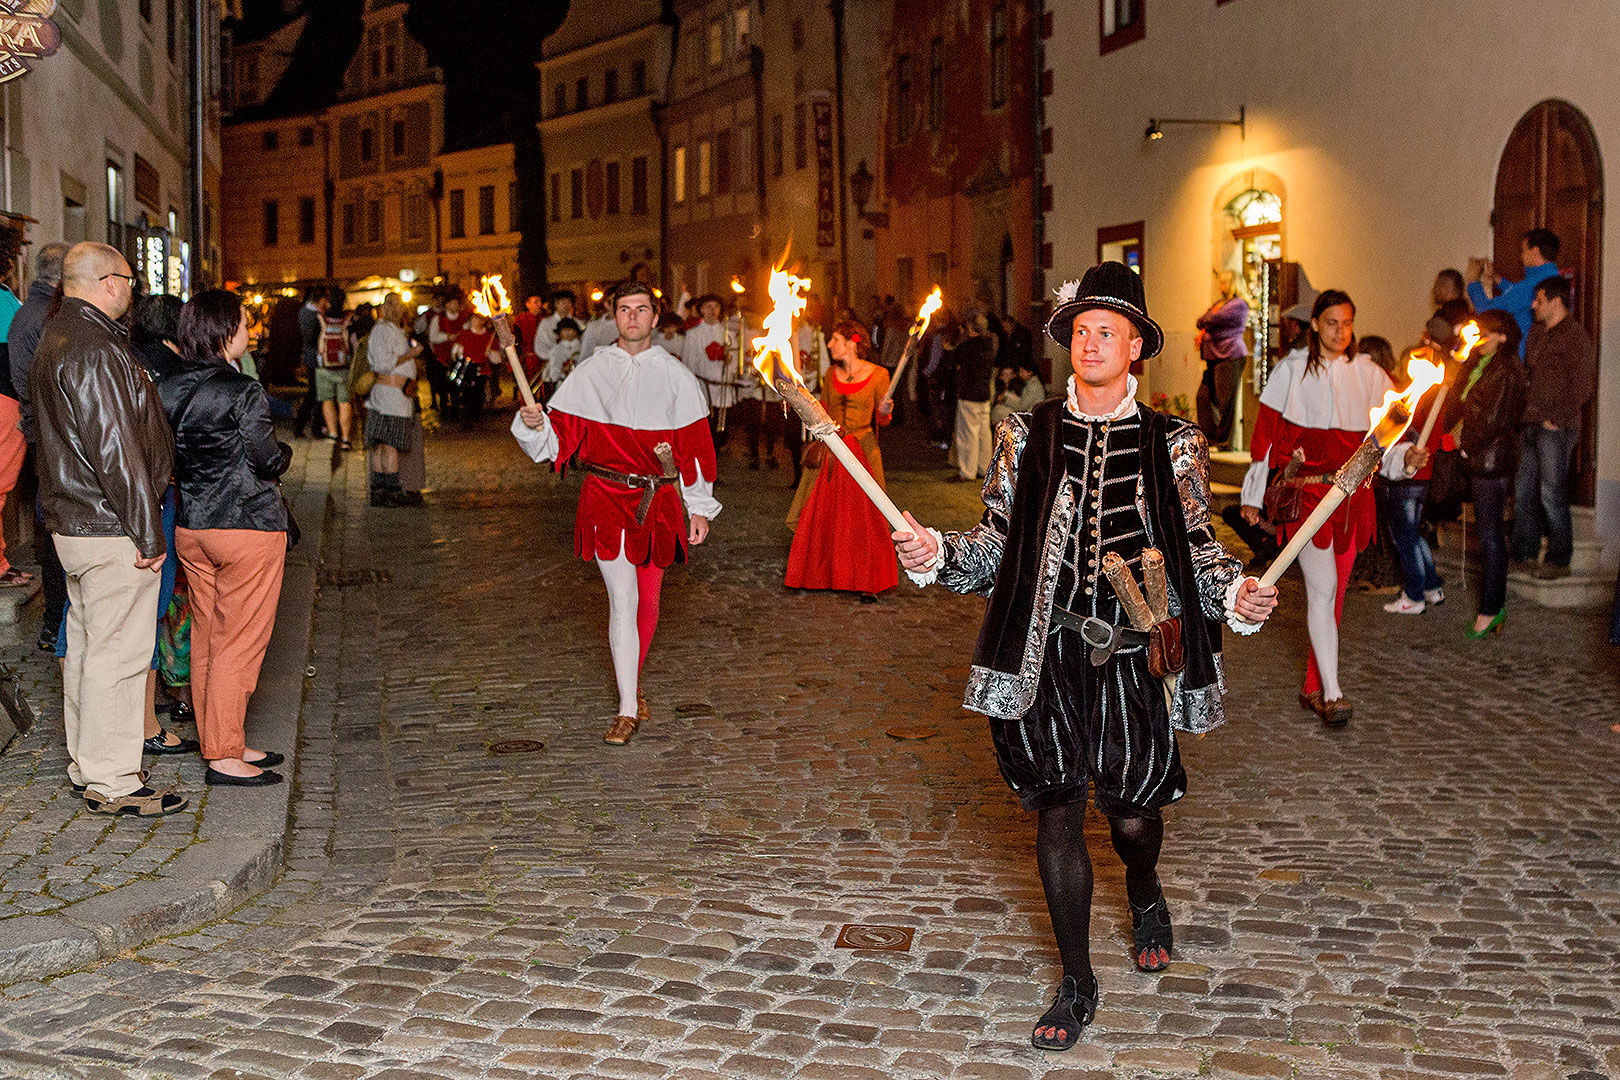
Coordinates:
<point>227,460</point>
<point>105,452</point>
<point>1490,415</point>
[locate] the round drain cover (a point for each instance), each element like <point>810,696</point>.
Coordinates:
<point>516,746</point>
<point>904,732</point>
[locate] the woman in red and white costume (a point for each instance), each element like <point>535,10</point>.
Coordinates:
<point>1319,399</point>
<point>638,422</point>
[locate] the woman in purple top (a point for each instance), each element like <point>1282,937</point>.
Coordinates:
<point>1221,344</point>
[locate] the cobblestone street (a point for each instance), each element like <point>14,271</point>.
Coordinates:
<point>1432,892</point>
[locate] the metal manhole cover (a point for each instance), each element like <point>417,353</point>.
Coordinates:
<point>516,746</point>
<point>879,938</point>
<point>345,579</point>
<point>911,732</point>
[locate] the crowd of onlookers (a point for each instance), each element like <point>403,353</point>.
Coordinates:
<point>161,530</point>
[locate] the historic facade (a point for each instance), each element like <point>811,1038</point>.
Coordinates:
<point>480,215</point>
<point>1366,166</point>
<point>956,182</point>
<point>602,77</point>
<point>99,142</point>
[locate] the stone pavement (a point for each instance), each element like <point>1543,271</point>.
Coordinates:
<point>1433,892</point>
<point>75,886</point>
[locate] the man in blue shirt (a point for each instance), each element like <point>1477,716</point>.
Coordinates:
<point>1539,253</point>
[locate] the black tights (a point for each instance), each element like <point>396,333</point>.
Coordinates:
<point>1060,850</point>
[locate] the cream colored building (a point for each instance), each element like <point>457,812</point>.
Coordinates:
<point>1380,142</point>
<point>97,137</point>
<point>480,211</point>
<point>274,201</point>
<point>602,74</point>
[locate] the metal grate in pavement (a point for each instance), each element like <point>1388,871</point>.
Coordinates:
<point>516,746</point>
<point>348,579</point>
<point>876,938</point>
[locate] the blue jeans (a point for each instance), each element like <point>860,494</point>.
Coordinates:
<point>1541,494</point>
<point>1490,500</point>
<point>166,577</point>
<point>1403,503</point>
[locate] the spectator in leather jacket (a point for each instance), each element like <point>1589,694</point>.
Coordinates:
<point>232,529</point>
<point>105,457</point>
<point>1488,400</point>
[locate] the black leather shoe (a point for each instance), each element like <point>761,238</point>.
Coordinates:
<point>264,779</point>
<point>270,760</point>
<point>181,713</point>
<point>157,745</point>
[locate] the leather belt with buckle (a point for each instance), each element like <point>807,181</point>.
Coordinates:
<point>1103,636</point>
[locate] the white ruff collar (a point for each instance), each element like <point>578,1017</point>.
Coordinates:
<point>1126,407</point>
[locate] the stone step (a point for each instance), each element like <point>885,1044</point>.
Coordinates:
<point>1586,586</point>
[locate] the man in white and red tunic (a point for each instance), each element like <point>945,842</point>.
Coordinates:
<point>636,421</point>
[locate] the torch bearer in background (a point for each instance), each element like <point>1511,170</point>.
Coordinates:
<point>490,302</point>
<point>919,327</point>
<point>774,356</point>
<point>1389,423</point>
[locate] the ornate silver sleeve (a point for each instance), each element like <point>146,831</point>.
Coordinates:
<point>1215,568</point>
<point>973,557</point>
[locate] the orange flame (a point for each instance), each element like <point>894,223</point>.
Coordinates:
<point>737,286</point>
<point>787,303</point>
<point>1390,420</point>
<point>490,300</point>
<point>480,303</point>
<point>934,302</point>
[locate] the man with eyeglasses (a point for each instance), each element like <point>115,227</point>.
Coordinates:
<point>105,458</point>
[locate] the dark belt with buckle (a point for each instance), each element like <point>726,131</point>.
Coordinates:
<point>1103,636</point>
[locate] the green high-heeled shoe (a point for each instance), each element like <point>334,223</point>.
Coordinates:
<point>1492,627</point>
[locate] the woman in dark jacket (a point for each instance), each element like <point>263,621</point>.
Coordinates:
<point>232,530</point>
<point>1488,400</point>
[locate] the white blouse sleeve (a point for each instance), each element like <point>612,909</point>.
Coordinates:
<point>539,443</point>
<point>699,496</point>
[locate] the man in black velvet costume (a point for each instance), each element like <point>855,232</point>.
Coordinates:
<point>1075,700</point>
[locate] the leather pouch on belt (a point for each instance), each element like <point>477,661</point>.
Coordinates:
<point>1165,653</point>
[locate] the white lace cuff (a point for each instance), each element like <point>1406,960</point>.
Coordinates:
<point>931,573</point>
<point>1233,619</point>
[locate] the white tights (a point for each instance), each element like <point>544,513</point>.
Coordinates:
<point>624,638</point>
<point>1321,570</point>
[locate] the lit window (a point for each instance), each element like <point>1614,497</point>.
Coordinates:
<point>678,173</point>
<point>705,168</point>
<point>740,20</point>
<point>1123,21</point>
<point>717,42</point>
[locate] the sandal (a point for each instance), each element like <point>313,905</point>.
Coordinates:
<point>160,744</point>
<point>619,732</point>
<point>14,576</point>
<point>142,802</point>
<point>1152,936</point>
<point>1060,1027</point>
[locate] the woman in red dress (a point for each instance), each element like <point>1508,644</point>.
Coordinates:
<point>842,540</point>
<point>1318,400</point>
<point>475,344</point>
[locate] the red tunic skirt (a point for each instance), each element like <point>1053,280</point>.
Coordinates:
<point>842,541</point>
<point>1354,524</point>
<point>605,523</point>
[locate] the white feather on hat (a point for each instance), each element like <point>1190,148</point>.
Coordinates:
<point>1068,291</point>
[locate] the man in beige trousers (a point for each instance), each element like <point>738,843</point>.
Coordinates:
<point>105,457</point>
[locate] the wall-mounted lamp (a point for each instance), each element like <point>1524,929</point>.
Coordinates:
<point>1155,128</point>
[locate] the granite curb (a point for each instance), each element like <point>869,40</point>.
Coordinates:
<point>242,835</point>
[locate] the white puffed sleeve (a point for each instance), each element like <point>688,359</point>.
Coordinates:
<point>539,443</point>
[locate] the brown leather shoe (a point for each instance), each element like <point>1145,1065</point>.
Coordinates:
<point>641,706</point>
<point>619,732</point>
<point>1337,713</point>
<point>1311,702</point>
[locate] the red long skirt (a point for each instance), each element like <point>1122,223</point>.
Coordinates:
<point>842,541</point>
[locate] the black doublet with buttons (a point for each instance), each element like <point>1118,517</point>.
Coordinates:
<point>1108,724</point>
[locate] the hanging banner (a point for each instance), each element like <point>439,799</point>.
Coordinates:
<point>26,33</point>
<point>821,111</point>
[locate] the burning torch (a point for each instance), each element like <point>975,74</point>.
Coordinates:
<point>919,327</point>
<point>787,298</point>
<point>1470,337</point>
<point>1389,423</point>
<point>491,302</point>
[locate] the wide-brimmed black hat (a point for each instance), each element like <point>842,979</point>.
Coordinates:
<point>1111,285</point>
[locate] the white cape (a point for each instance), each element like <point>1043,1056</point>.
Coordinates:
<point>648,391</point>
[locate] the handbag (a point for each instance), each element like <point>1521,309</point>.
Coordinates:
<point>363,383</point>
<point>1448,486</point>
<point>294,533</point>
<point>814,455</point>
<point>1284,501</point>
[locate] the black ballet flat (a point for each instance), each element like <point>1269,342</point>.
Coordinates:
<point>1061,1025</point>
<point>158,744</point>
<point>220,779</point>
<point>270,760</point>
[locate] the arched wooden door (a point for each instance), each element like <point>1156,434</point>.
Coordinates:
<point>1551,176</point>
